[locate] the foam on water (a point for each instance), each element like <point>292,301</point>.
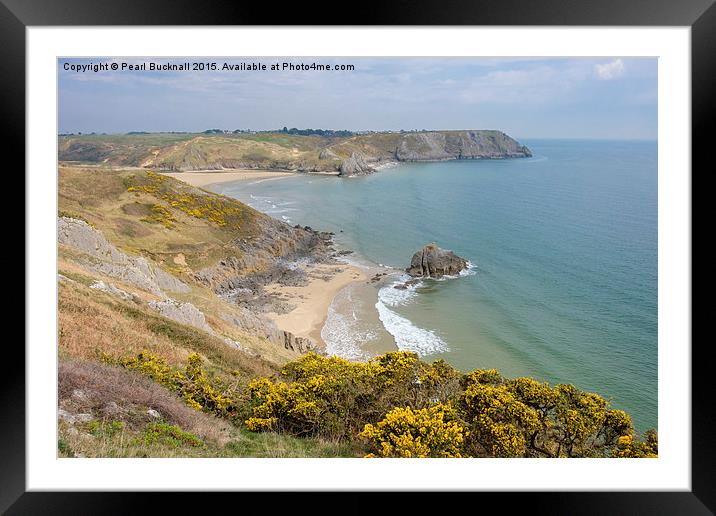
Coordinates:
<point>470,270</point>
<point>272,206</point>
<point>408,337</point>
<point>342,332</point>
<point>269,179</point>
<point>392,296</point>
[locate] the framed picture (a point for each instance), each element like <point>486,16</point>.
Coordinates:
<point>449,252</point>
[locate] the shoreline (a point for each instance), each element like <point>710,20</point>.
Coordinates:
<point>208,178</point>
<point>313,300</point>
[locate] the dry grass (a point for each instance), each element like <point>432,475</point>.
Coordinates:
<point>90,324</point>
<point>115,394</point>
<point>93,323</point>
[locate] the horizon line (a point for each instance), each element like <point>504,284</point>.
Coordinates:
<point>244,131</point>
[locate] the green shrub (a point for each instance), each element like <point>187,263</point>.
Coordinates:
<point>630,447</point>
<point>499,421</point>
<point>400,406</point>
<point>99,428</point>
<point>170,435</point>
<point>64,448</point>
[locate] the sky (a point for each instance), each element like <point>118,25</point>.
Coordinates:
<point>600,98</point>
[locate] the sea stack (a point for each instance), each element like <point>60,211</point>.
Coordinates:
<point>433,262</point>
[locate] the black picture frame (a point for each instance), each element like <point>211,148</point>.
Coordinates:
<point>17,15</point>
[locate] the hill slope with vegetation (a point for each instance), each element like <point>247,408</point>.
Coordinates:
<point>311,152</point>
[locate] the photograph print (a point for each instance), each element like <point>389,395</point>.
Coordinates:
<point>357,257</point>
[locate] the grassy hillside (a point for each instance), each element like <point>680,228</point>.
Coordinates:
<point>198,151</point>
<point>178,226</point>
<point>115,149</point>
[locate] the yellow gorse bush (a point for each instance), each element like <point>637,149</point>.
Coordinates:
<point>191,384</point>
<point>402,406</point>
<point>433,431</point>
<point>396,405</point>
<point>629,447</point>
<point>215,209</point>
<point>334,397</point>
<point>499,420</point>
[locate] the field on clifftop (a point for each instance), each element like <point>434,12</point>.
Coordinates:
<point>198,151</point>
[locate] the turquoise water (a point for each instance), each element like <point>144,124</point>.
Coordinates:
<point>564,253</point>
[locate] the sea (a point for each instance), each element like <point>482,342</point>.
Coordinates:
<point>562,283</point>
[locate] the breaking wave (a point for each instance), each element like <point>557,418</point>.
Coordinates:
<point>342,331</point>
<point>408,337</point>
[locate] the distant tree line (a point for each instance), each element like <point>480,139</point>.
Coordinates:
<point>316,132</point>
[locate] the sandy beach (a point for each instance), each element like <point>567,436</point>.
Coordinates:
<point>206,178</point>
<point>312,300</point>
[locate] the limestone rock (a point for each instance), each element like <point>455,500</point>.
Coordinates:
<point>73,418</point>
<point>111,289</point>
<point>105,258</point>
<point>355,166</point>
<point>446,145</point>
<point>433,262</point>
<point>299,344</point>
<point>184,313</point>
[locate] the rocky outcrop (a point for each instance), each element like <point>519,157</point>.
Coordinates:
<point>433,262</point>
<point>447,145</point>
<point>114,291</point>
<point>183,313</point>
<point>356,165</point>
<point>263,327</point>
<point>103,257</point>
<point>298,344</point>
<point>266,259</point>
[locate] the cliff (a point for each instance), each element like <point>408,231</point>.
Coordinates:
<point>429,146</point>
<point>447,145</point>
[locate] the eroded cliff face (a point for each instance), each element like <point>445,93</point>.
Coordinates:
<point>430,146</point>
<point>101,256</point>
<point>91,251</point>
<point>263,259</point>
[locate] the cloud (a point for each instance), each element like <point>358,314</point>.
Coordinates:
<point>609,71</point>
<point>538,84</point>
